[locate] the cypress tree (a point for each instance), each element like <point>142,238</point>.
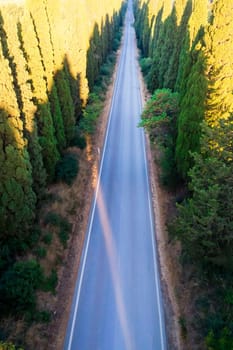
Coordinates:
<point>66,103</point>
<point>167,46</point>
<point>197,20</point>
<point>17,199</point>
<point>57,119</point>
<point>96,54</point>
<point>219,43</point>
<point>14,53</point>
<point>182,16</point>
<point>192,108</point>
<point>204,224</point>
<point>32,49</point>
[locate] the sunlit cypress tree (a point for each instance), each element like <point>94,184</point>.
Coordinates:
<point>17,200</point>
<point>192,86</point>
<point>31,44</point>
<point>197,20</point>
<point>168,42</point>
<point>219,47</point>
<point>182,17</point>
<point>14,53</point>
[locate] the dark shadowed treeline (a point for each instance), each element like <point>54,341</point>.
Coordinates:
<point>187,61</point>
<point>51,55</point>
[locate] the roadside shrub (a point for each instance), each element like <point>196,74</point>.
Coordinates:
<point>8,346</point>
<point>41,317</point>
<point>79,141</point>
<point>223,342</point>
<point>91,113</point>
<point>60,222</point>
<point>18,286</point>
<point>50,283</point>
<point>47,238</point>
<point>52,218</point>
<point>145,64</point>
<point>40,252</point>
<point>159,119</point>
<point>65,228</point>
<point>67,169</point>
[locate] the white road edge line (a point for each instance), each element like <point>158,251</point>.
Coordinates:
<point>151,223</point>
<point>154,252</point>
<point>95,201</point>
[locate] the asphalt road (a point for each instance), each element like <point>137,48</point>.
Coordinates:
<point>117,303</point>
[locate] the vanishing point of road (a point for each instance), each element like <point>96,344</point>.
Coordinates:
<point>117,303</point>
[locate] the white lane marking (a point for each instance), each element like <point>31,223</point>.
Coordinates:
<point>157,279</point>
<point>95,201</point>
<point>154,253</point>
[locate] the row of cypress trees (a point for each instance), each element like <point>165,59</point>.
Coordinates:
<point>46,74</point>
<point>187,49</point>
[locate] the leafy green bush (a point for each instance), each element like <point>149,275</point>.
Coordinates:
<point>145,64</point>
<point>18,286</point>
<point>60,222</point>
<point>8,346</point>
<point>79,141</point>
<point>67,169</point>
<point>43,316</point>
<point>47,238</point>
<point>52,218</point>
<point>91,113</point>
<point>222,342</point>
<point>65,228</point>
<point>159,119</point>
<point>50,283</point>
<point>40,252</point>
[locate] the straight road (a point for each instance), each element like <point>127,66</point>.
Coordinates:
<point>117,303</point>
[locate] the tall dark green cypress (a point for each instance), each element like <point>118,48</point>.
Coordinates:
<point>66,103</point>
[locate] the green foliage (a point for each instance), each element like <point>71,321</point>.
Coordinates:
<point>145,64</point>
<point>41,317</point>
<point>167,42</point>
<point>18,286</point>
<point>40,252</point>
<point>67,169</point>
<point>50,282</point>
<point>183,327</point>
<point>223,342</point>
<point>57,119</point>
<point>64,232</point>
<point>204,224</point>
<point>192,109</point>
<point>61,223</point>
<point>78,140</point>
<point>142,27</point>
<point>52,218</point>
<point>8,346</point>
<point>160,110</point>
<point>47,139</point>
<point>159,118</point>
<point>179,35</point>
<point>92,111</point>
<point>66,104</point>
<point>17,199</point>
<point>47,238</point>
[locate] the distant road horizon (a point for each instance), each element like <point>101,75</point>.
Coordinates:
<point>117,302</point>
